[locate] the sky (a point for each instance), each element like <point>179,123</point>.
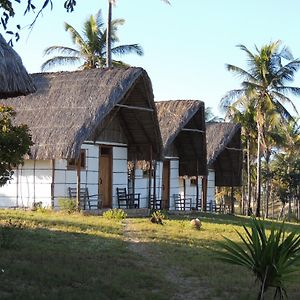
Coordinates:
<point>186,44</point>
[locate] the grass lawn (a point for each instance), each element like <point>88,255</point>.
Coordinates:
<point>61,256</point>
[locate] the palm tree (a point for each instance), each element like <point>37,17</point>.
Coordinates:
<point>246,118</point>
<point>90,46</point>
<point>264,83</point>
<point>108,32</point>
<point>210,117</point>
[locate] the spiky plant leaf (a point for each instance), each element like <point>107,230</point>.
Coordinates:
<point>272,258</point>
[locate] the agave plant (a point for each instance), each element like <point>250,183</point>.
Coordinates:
<point>272,258</point>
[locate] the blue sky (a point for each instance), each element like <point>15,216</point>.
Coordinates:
<point>186,44</point>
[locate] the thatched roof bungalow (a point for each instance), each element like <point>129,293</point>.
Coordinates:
<point>224,153</point>
<point>14,79</point>
<point>108,108</point>
<point>182,126</point>
<point>72,107</point>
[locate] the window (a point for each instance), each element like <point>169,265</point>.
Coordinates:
<point>72,163</point>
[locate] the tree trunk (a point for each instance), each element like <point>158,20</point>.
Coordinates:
<point>249,178</point>
<point>282,212</point>
<point>108,35</point>
<point>258,175</point>
<point>232,200</point>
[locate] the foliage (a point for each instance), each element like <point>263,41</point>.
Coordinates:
<point>8,233</point>
<point>15,141</point>
<point>68,205</point>
<point>90,45</point>
<point>38,207</point>
<point>263,93</point>
<point>158,216</point>
<point>115,214</point>
<point>210,117</point>
<point>272,258</point>
<point>8,7</point>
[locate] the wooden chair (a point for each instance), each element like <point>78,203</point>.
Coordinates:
<point>126,200</point>
<point>86,201</point>
<point>155,203</point>
<point>182,203</point>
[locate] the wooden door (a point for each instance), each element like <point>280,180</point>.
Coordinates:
<point>166,184</point>
<point>105,176</point>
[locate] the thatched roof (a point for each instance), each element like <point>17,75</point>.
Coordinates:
<point>14,79</point>
<point>174,118</point>
<point>72,107</point>
<point>224,152</point>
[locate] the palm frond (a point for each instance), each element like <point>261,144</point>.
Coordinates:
<point>239,72</point>
<point>61,50</point>
<point>126,49</point>
<point>230,97</point>
<point>59,61</point>
<point>270,257</point>
<point>77,39</point>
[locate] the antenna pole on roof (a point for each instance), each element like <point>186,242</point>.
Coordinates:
<point>108,34</point>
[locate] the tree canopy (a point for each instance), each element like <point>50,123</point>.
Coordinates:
<point>90,46</point>
<point>8,8</point>
<point>15,141</point>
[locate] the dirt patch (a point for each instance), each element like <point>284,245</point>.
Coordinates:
<point>184,287</point>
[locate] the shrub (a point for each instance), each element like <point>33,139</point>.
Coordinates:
<point>8,233</point>
<point>158,217</point>
<point>271,258</point>
<point>116,214</point>
<point>67,205</point>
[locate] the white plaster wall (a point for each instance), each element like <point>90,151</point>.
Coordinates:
<point>37,188</point>
<point>211,187</point>
<point>142,185</point>
<point>120,172</point>
<point>190,189</point>
<point>31,183</point>
<point>64,178</point>
<point>174,181</point>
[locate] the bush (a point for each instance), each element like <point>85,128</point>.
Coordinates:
<point>158,217</point>
<point>67,205</point>
<point>116,214</point>
<point>271,258</point>
<point>8,233</point>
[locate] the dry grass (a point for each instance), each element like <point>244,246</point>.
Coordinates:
<point>59,256</point>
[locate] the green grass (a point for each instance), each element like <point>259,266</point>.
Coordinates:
<point>61,256</point>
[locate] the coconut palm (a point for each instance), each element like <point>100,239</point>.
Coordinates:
<point>246,118</point>
<point>90,48</point>
<point>265,83</point>
<point>210,117</point>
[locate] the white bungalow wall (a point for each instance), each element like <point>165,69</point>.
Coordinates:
<point>174,181</point>
<point>211,188</point>
<point>30,183</point>
<point>190,189</point>
<point>142,185</point>
<point>65,178</point>
<point>120,172</point>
